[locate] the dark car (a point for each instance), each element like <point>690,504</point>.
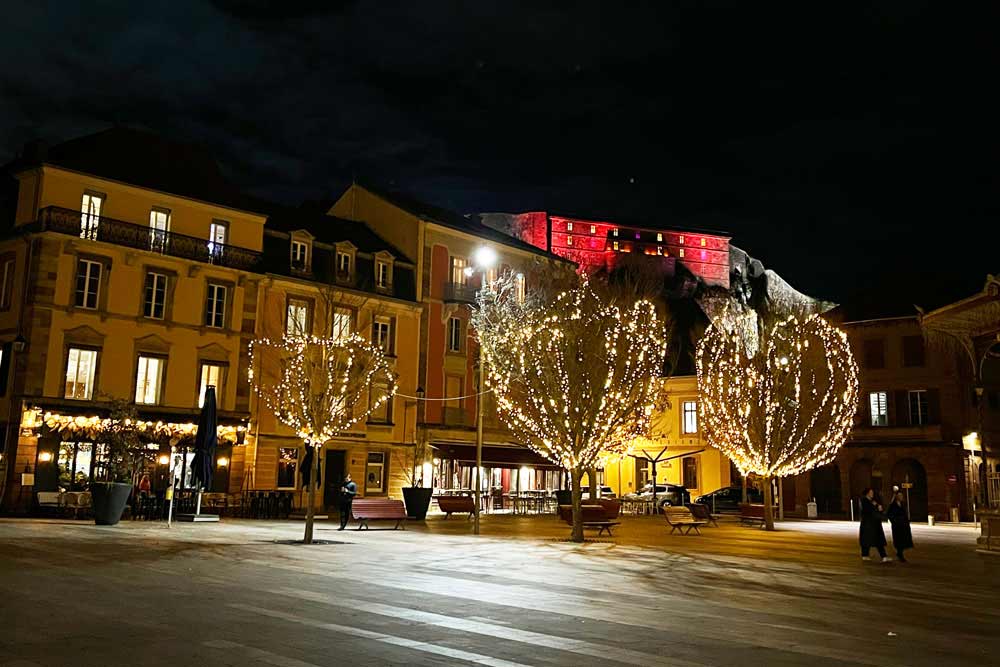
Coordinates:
<point>729,498</point>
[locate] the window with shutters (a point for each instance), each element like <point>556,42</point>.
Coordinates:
<point>874,353</point>
<point>919,406</point>
<point>88,283</point>
<point>913,351</point>
<point>878,408</point>
<point>7,284</point>
<point>215,306</point>
<point>154,304</point>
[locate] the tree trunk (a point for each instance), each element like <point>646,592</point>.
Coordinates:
<point>745,482</point>
<point>311,509</point>
<point>577,479</point>
<point>592,478</point>
<point>768,505</point>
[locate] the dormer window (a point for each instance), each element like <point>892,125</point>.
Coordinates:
<point>383,271</point>
<point>300,251</point>
<point>345,260</point>
<point>343,263</point>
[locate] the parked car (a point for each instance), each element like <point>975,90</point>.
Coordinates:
<point>603,492</point>
<point>666,494</point>
<point>728,498</point>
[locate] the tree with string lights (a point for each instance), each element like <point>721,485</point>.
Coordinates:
<point>573,373</point>
<point>778,400</point>
<point>320,387</point>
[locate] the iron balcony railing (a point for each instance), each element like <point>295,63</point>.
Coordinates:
<point>459,293</point>
<point>144,237</point>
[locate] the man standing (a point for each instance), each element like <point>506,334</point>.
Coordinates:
<point>347,492</point>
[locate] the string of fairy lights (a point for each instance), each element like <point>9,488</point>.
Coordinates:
<point>324,385</point>
<point>573,378</point>
<point>778,404</point>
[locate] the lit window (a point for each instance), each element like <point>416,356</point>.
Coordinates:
<point>382,334</point>
<point>703,254</point>
<point>7,284</point>
<point>519,288</point>
<point>148,377</point>
<point>593,229</point>
<point>878,408</point>
<point>215,306</point>
<point>90,215</point>
<point>458,266</point>
<point>341,323</point>
<point>638,236</point>
<point>569,240</point>
<point>569,226</point>
<point>156,296</point>
<point>689,410</point>
<point>918,407</point>
<point>218,237</point>
<point>81,365</point>
<point>88,283</point>
<point>703,243</point>
<point>375,473</point>
<point>681,252</point>
<point>659,237</point>
<point>159,225</point>
<point>659,250</point>
<point>615,245</point>
<point>680,239</point>
<point>382,274</point>
<point>614,232</point>
<point>300,255</point>
<point>454,334</point>
<point>211,376</point>
<point>288,465</point>
<point>297,317</point>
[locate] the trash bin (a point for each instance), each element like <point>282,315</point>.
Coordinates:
<point>954,515</point>
<point>930,519</point>
<point>811,510</point>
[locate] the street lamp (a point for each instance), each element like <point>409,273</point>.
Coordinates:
<point>483,259</point>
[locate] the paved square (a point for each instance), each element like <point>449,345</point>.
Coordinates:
<point>228,594</point>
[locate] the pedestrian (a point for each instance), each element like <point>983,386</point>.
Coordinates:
<point>144,486</point>
<point>871,533</point>
<point>902,538</point>
<point>347,492</point>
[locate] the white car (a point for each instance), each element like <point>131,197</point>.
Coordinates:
<point>603,492</point>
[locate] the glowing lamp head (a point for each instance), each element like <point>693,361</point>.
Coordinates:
<point>467,271</point>
<point>163,460</point>
<point>485,257</point>
<point>44,457</point>
<point>222,461</point>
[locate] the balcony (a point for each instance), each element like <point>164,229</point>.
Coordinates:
<point>144,237</point>
<point>924,433</point>
<point>459,293</point>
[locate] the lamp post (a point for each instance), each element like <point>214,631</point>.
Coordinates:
<point>483,260</point>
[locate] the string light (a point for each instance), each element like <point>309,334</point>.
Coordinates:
<point>78,427</point>
<point>322,383</point>
<point>575,378</point>
<point>781,404</point>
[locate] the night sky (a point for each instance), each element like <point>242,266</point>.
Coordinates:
<point>853,149</point>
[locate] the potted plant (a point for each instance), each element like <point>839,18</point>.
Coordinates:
<point>416,497</point>
<point>117,471</point>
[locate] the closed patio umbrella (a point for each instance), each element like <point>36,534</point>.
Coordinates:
<point>205,442</point>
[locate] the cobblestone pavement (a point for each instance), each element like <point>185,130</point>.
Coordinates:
<point>231,594</point>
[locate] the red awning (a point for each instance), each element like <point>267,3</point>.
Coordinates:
<point>503,457</point>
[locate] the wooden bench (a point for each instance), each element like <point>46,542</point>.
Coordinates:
<point>751,514</point>
<point>451,504</point>
<point>594,516</point>
<point>364,510</point>
<point>702,513</point>
<point>680,519</point>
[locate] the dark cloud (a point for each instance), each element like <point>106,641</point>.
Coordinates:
<point>847,145</point>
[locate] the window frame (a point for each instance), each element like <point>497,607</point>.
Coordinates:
<point>878,409</point>
<point>455,337</point>
<point>298,303</point>
<point>93,375</point>
<point>384,417</point>
<point>457,266</point>
<point>923,409</point>
<point>89,262</point>
<point>8,275</point>
<point>216,254</point>
<point>383,274</point>
<point>305,264</point>
<point>89,227</point>
<point>161,374</point>
<point>390,348</point>
<point>220,384</point>
<point>382,467</point>
<point>149,307</point>
<point>346,313</point>
<point>158,237</point>
<point>685,413</point>
<point>209,318</point>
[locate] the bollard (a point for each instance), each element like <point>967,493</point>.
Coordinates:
<point>930,519</point>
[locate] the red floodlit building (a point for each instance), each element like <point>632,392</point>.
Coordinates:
<point>596,244</point>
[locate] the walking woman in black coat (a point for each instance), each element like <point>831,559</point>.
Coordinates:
<point>902,538</point>
<point>871,533</point>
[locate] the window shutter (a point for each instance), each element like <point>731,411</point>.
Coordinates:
<point>392,335</point>
<point>5,369</point>
<point>933,406</point>
<point>901,406</point>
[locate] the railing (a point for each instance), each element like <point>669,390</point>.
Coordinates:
<point>459,292</point>
<point>144,237</point>
<point>993,489</point>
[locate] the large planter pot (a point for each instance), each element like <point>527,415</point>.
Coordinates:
<point>564,497</point>
<point>417,501</point>
<point>109,502</point>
